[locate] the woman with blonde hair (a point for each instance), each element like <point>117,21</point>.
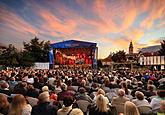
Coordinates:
<point>19,106</point>
<point>130,109</point>
<point>101,107</point>
<point>4,104</point>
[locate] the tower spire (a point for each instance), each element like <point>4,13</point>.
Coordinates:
<point>131,48</point>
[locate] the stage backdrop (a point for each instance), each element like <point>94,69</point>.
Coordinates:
<point>73,52</point>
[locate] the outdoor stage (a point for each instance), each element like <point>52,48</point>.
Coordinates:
<point>73,53</point>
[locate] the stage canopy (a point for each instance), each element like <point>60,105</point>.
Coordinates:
<point>73,44</point>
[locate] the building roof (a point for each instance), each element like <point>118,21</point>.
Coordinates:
<point>107,59</point>
<point>73,44</point>
<point>150,49</point>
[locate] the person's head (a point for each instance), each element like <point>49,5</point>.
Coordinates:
<point>45,88</point>
<point>4,85</point>
<point>162,106</point>
<point>100,91</point>
<point>161,91</point>
<point>150,82</point>
<point>64,87</point>
<point>83,82</point>
<point>140,84</point>
<point>3,101</point>
<point>128,82</point>
<point>12,79</point>
<point>150,88</point>
<point>68,101</point>
<point>44,97</point>
<point>17,105</point>
<point>82,90</point>
<point>101,103</point>
<point>130,109</point>
<point>121,92</point>
<point>139,95</point>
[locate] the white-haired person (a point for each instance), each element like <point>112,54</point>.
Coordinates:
<point>44,106</point>
<point>119,101</point>
<point>101,107</point>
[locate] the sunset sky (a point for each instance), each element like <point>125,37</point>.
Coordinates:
<point>112,24</point>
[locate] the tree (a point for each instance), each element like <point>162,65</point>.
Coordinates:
<point>162,50</point>
<point>10,56</point>
<point>119,57</point>
<point>39,51</point>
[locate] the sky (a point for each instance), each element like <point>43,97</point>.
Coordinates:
<point>112,24</point>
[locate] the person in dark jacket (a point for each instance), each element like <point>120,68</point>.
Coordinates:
<point>44,107</point>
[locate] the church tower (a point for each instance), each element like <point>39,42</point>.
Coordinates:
<point>131,48</point>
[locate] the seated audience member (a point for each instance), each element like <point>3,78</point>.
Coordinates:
<point>5,88</point>
<point>67,108</point>
<point>44,106</point>
<point>4,104</point>
<point>155,102</point>
<point>12,83</point>
<point>19,106</point>
<point>100,91</point>
<point>130,109</point>
<point>64,92</point>
<point>140,100</point>
<point>21,88</point>
<point>139,88</point>
<point>101,107</point>
<point>83,96</point>
<point>150,91</point>
<point>32,92</point>
<point>119,101</point>
<point>162,108</point>
<point>128,82</point>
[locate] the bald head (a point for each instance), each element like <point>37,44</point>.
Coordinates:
<point>121,92</point>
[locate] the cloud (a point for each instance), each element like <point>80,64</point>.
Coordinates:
<point>155,11</point>
<point>15,22</point>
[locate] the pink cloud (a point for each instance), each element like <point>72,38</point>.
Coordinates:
<point>15,22</point>
<point>156,11</point>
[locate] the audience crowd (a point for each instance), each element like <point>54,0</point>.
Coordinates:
<point>81,91</point>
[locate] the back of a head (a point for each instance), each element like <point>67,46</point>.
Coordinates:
<point>18,100</point>
<point>17,105</point>
<point>101,91</point>
<point>162,106</point>
<point>82,90</point>
<point>44,97</point>
<point>121,92</point>
<point>139,95</point>
<point>101,103</point>
<point>3,101</point>
<point>64,87</point>
<point>130,109</point>
<point>68,101</point>
<point>45,88</point>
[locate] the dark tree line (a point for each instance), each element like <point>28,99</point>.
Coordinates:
<point>34,51</point>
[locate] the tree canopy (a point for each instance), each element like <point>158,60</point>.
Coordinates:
<point>34,51</point>
<point>119,56</point>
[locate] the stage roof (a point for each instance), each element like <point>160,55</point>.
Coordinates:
<point>73,44</point>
